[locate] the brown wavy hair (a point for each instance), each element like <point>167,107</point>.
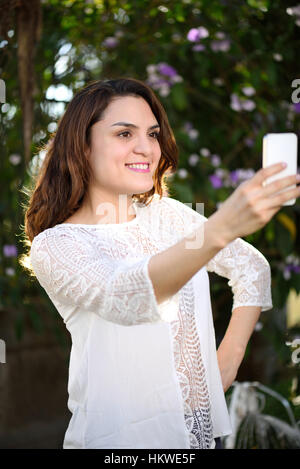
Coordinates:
<point>58,187</point>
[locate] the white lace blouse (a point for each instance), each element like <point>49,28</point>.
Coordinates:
<point>142,375</point>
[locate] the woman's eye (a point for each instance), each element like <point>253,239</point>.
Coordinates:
<point>153,133</point>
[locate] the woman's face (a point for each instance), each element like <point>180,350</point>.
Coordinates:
<point>113,146</point>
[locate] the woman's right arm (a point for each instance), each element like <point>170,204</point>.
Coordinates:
<point>76,275</point>
<point>248,209</point>
<point>171,269</point>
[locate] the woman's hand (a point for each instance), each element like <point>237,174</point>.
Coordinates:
<point>252,205</point>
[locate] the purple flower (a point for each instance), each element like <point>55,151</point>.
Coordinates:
<point>235,103</point>
<point>10,271</point>
<point>287,272</point>
<point>248,90</point>
<point>294,10</point>
<point>221,173</point>
<point>205,152</point>
<point>10,250</point>
<point>215,160</point>
<point>297,269</point>
<point>297,107</point>
<point>14,159</point>
<point>193,134</point>
<point>220,35</point>
<point>234,177</point>
<point>162,76</point>
<point>161,81</point>
<point>249,142</point>
<point>203,32</point>
<point>151,68</point>
<point>193,159</point>
<point>218,81</point>
<point>164,90</point>
<point>216,181</point>
<point>110,42</point>
<point>198,47</point>
<point>182,173</point>
<point>222,46</point>
<point>166,69</point>
<point>193,35</point>
<point>248,105</point>
<point>188,126</point>
<point>244,174</point>
<point>214,45</point>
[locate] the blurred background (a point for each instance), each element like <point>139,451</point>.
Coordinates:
<point>227,72</point>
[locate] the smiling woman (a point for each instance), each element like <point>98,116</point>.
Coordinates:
<point>88,153</point>
<point>115,156</point>
<point>157,385</point>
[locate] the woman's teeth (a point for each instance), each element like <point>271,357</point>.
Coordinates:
<point>139,166</point>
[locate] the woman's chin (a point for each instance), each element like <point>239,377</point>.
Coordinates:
<point>142,188</point>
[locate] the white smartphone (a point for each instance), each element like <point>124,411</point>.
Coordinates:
<point>277,148</point>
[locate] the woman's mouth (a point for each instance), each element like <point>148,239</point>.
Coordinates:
<point>140,168</point>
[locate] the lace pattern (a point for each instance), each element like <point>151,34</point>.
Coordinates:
<point>191,373</point>
<point>104,269</point>
<point>93,278</point>
<point>248,271</point>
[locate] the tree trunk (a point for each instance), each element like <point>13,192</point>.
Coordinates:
<point>29,23</point>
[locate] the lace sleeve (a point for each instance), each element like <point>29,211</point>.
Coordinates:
<point>246,268</point>
<point>249,273</point>
<point>75,275</point>
<point>181,217</point>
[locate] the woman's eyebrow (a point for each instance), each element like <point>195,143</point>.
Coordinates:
<point>127,124</point>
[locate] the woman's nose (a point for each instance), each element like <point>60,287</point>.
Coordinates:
<point>143,145</point>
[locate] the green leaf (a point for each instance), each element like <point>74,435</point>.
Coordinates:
<point>183,192</point>
<point>295,282</point>
<point>258,4</point>
<point>269,232</point>
<point>35,320</point>
<point>19,327</point>
<point>280,291</point>
<point>178,97</point>
<point>283,240</point>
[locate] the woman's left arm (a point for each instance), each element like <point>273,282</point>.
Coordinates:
<point>249,277</point>
<point>232,349</point>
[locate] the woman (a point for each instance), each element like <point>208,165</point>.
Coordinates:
<point>126,267</point>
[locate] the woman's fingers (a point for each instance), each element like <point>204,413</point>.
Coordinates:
<point>273,192</point>
<point>279,184</point>
<point>265,173</point>
<point>253,204</point>
<point>279,199</point>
